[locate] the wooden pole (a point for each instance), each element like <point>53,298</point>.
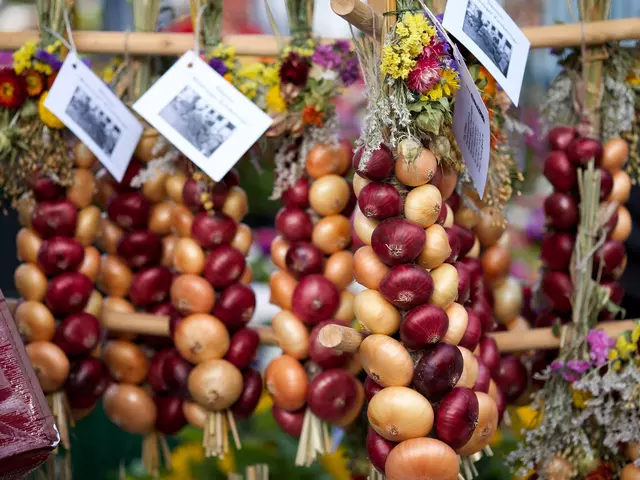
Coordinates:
<point>138,43</point>
<point>341,339</point>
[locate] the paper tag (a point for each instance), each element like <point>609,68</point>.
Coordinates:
<point>486,30</point>
<point>203,115</point>
<point>86,105</point>
<point>471,127</point>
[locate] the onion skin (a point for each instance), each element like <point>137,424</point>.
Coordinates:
<point>35,322</point>
<point>292,334</point>
<point>60,254</point>
<point>396,241</point>
<point>483,379</point>
<point>367,267</point>
<point>458,322</point>
<point>170,415</point>
<point>150,285</point>
<point>346,311</point>
<point>436,250</point>
<point>243,348</point>
<point>339,269</point>
<point>88,225</point>
<point>235,306</point>
<point>561,211</point>
<point>303,258</point>
<point>364,227</point>
<point>78,334</point>
<point>375,313</point>
<point>407,461</point>
<point>371,388</point>
<point>332,394</point>
<point>28,244</point>
<point>379,165</point>
<point>423,326</point>
<point>140,248</point>
<point>470,369</point>
<point>188,257</point>
<point>126,361</point>
<point>315,299</point>
<point>250,396</point>
<point>294,224</point>
<point>212,231</point>
<point>329,195</point>
<point>90,266</point>
<point>614,154</point>
<point>130,408</point>
<point>486,427</point>
<point>457,417</point>
<point>511,377</point>
<point>386,361</point>
<point>282,285</point>
<point>445,285</point>
<point>407,286</point>
<point>115,276</point>
<point>400,413</point>
<point>418,171</point>
<point>353,414</point>
<point>201,337</point>
<point>192,294</point>
<point>490,354</point>
<point>286,381</point>
<point>290,422</point>
<point>324,160</point>
<point>215,384</point>
<point>422,205</point>
<point>297,195</point>
<point>507,300</point>
<point>332,234</point>
<point>68,293</point>
<point>379,201</point>
<point>438,371</point>
<point>50,364</point>
<point>560,171</point>
<point>378,449</point>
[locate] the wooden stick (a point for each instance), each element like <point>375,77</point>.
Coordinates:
<point>354,11</point>
<point>267,337</point>
<point>341,339</point>
<point>143,323</point>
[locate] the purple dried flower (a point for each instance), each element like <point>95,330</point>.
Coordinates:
<point>343,45</point>
<point>326,57</point>
<point>600,345</point>
<point>350,71</point>
<point>50,58</point>
<point>572,370</point>
<point>218,65</point>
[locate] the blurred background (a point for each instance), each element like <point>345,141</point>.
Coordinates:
<point>100,449</point>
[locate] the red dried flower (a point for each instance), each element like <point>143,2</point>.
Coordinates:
<point>50,79</point>
<point>294,70</point>
<point>34,82</point>
<point>13,91</point>
<point>425,75</point>
<point>603,472</point>
<point>312,116</point>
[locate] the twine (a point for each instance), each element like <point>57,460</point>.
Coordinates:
<point>196,38</point>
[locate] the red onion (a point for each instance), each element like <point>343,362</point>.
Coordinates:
<point>378,449</point>
<point>550,318</point>
<point>175,372</point>
<point>192,195</point>
<point>54,218</point>
<point>68,293</point>
<point>297,195</point>
<point>407,286</point>
<point>489,353</point>
<point>213,230</point>
<point>557,289</point>
<point>290,422</point>
<point>78,334</point>
<point>397,241</point>
<point>465,237</point>
<point>304,258</point>
<point>379,166</point>
<point>45,188</point>
<point>351,204</point>
<point>170,417</point>
<point>473,333</point>
<point>150,285</point>
<point>457,417</point>
<point>560,138</point>
<point>442,216</point>
<point>511,377</point>
<point>483,378</point>
<point>561,211</point>
<point>612,223</point>
<point>140,248</point>
<point>454,243</point>
<point>560,172</point>
<point>315,299</point>
<point>422,326</point>
<point>294,224</point>
<point>581,150</point>
<point>438,370</point>
<point>606,184</point>
<point>325,357</point>
<point>243,348</point>
<point>219,195</point>
<point>232,178</point>
<point>60,254</point>
<point>474,267</point>
<point>616,291</point>
<point>174,321</point>
<point>454,201</point>
<point>155,375</point>
<point>235,306</point>
<point>332,394</point>
<point>464,283</point>
<point>87,381</point>
<point>556,250</point>
<point>501,403</point>
<point>610,257</point>
<point>482,309</point>
<point>379,201</point>
<point>129,210</point>
<point>224,266</point>
<point>133,169</point>
<point>250,396</point>
<point>370,388</point>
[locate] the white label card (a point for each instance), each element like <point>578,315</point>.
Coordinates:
<point>486,30</point>
<point>86,105</point>
<point>203,115</point>
<point>471,127</point>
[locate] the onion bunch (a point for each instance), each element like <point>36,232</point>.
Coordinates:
<point>57,316</point>
<point>312,385</point>
<point>423,280</point>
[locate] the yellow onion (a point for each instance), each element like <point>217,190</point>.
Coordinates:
<point>279,247</point>
<point>325,160</point>
<point>448,182</point>
<point>91,263</point>
<point>115,276</point>
<point>28,244</point>
<point>448,221</point>
<point>25,206</point>
<point>469,370</point>
<point>126,362</point>
<point>331,234</point>
<point>364,227</point>
<point>466,217</point>
<point>194,414</point>
<point>154,188</point>
<point>329,195</point>
<point>281,286</point>
<point>88,225</point>
<point>614,154</point>
<point>491,225</point>
<point>458,321</point>
<point>192,294</point>
<point>339,269</point>
<point>201,337</point>
<point>422,205</point>
<point>81,190</point>
<point>367,267</point>
<point>375,313</point>
<point>94,305</point>
<point>174,185</point>
<point>422,459</point>
<point>247,275</point>
<point>242,239</point>
<point>215,384</point>
<point>236,205</point>
<point>345,311</point>
<point>286,381</point>
<point>292,334</point>
<point>475,250</point>
<point>35,321</point>
<point>400,413</point>
<point>359,183</point>
<point>518,324</point>
<point>83,157</point>
<point>416,171</point>
<point>507,300</point>
<point>188,256</point>
<point>104,188</point>
<point>160,218</point>
<point>30,282</point>
<point>109,236</point>
<point>630,472</point>
<point>168,248</point>
<point>496,262</point>
<point>486,427</point>
<point>445,285</point>
<point>181,219</point>
<point>622,229</point>
<point>632,451</point>
<point>436,249</point>
<point>386,361</point>
<point>130,407</point>
<point>621,187</point>
<point>151,146</point>
<point>50,364</point>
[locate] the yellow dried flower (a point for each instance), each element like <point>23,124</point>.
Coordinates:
<point>580,398</point>
<point>48,118</point>
<point>274,100</point>
<point>625,347</point>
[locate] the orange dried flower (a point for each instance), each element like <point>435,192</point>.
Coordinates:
<point>312,116</point>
